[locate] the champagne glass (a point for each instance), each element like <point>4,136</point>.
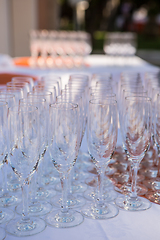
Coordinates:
<point>49,177</point>
<point>24,148</point>
<point>154,194</point>
<point>90,193</point>
<point>102,133</point>
<point>7,198</point>
<point>5,214</point>
<point>24,79</point>
<point>73,187</point>
<point>21,85</point>
<point>36,207</point>
<point>63,146</point>
<point>136,131</point>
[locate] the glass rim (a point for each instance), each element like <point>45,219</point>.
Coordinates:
<point>40,93</point>
<point>77,90</point>
<point>40,100</point>
<point>136,92</point>
<point>138,97</point>
<point>48,81</point>
<point>105,92</point>
<point>5,103</point>
<point>57,105</point>
<point>18,109</point>
<point>110,101</point>
<point>49,76</point>
<point>101,74</point>
<point>44,88</point>
<point>102,80</point>
<point>132,83</point>
<point>68,93</point>
<point>13,88</point>
<point>80,76</point>
<point>23,77</point>
<point>8,96</point>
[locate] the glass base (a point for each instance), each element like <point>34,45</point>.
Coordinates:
<point>73,201</point>
<point>14,185</point>
<point>43,193</point>
<point>154,196</point>
<point>9,199</point>
<point>2,234</point>
<point>6,215</point>
<point>23,229</point>
<point>135,204</point>
<point>50,180</point>
<point>109,195</point>
<point>126,189</point>
<point>37,209</point>
<point>64,220</point>
<point>92,182</point>
<point>76,188</point>
<point>94,212</point>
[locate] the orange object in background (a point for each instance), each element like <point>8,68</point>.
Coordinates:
<point>22,61</point>
<point>7,77</point>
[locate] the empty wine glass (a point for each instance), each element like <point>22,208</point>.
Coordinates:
<point>73,187</point>
<point>7,198</point>
<point>24,79</point>
<point>102,132</point>
<point>5,214</point>
<point>154,194</point>
<point>63,146</point>
<point>24,148</point>
<point>136,132</point>
<point>36,207</point>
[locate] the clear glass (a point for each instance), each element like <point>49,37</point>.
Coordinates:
<point>37,207</point>
<point>24,144</point>
<point>102,132</point>
<point>136,132</point>
<point>24,79</point>
<point>63,146</point>
<point>5,214</point>
<point>154,182</point>
<point>7,198</point>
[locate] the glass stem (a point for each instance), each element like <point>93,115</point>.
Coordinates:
<point>4,172</point>
<point>70,183</point>
<point>134,170</point>
<point>64,183</point>
<point>33,186</point>
<point>158,162</point>
<point>25,186</point>
<point>100,193</point>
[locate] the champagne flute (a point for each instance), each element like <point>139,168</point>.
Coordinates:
<point>154,194</point>
<point>7,198</point>
<point>5,214</point>
<point>63,146</point>
<point>24,148</point>
<point>102,137</point>
<point>36,207</point>
<point>136,131</point>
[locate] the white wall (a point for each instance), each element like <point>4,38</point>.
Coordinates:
<point>17,17</point>
<point>24,19</point>
<point>5,36</point>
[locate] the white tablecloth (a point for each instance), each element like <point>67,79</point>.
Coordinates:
<point>143,225</point>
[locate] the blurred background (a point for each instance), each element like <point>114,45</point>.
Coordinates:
<point>97,17</point>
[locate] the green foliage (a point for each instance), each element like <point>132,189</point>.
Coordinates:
<point>143,42</point>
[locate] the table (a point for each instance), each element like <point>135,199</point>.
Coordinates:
<point>143,225</point>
